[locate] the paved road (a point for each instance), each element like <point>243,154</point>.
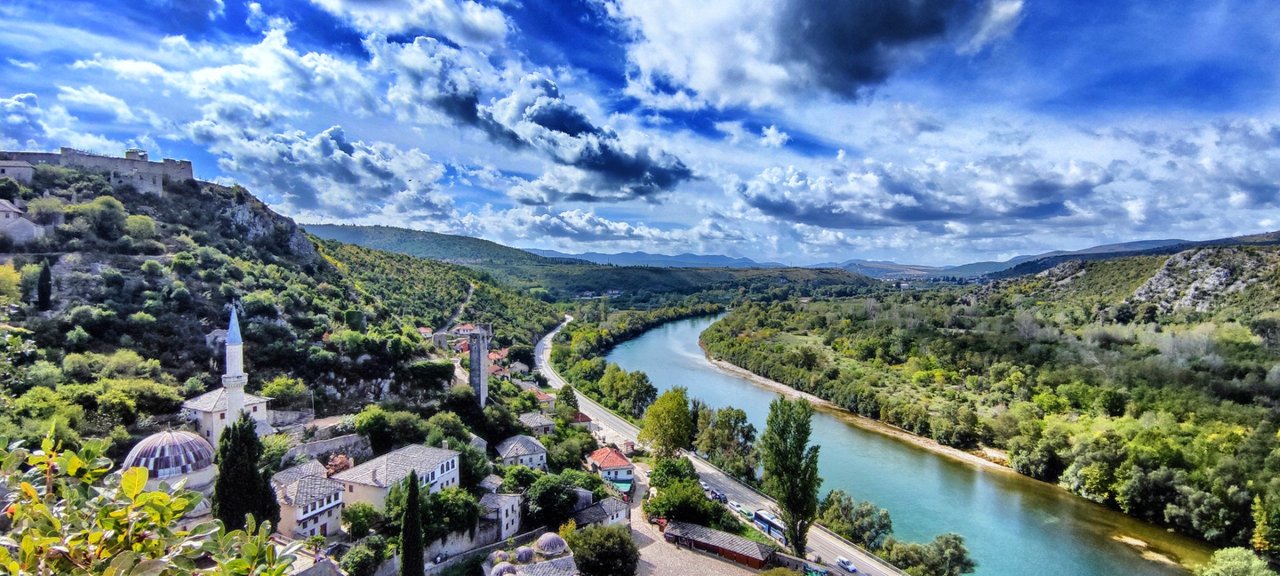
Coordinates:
<point>822,543</point>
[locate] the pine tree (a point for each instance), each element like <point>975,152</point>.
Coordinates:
<point>411,560</point>
<point>242,488</point>
<point>44,287</point>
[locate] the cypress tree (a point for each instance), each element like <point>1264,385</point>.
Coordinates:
<point>242,488</point>
<point>411,549</point>
<point>44,287</point>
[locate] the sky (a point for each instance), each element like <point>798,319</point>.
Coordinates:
<point>801,131</point>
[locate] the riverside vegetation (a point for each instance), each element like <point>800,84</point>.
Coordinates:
<point>1135,383</point>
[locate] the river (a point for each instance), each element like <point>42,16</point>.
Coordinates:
<point>1014,526</point>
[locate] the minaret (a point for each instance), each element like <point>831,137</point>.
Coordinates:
<point>479,376</point>
<point>234,379</point>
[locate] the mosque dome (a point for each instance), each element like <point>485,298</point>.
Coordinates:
<point>171,453</point>
<point>550,544</point>
<point>502,569</point>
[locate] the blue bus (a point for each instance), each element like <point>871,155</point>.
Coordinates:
<point>768,523</point>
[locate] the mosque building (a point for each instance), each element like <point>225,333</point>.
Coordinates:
<point>175,455</point>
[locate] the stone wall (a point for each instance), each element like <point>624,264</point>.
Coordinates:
<point>353,445</point>
<point>136,169</point>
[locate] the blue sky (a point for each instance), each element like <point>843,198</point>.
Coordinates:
<point>923,131</point>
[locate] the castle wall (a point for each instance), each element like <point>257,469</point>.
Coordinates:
<point>146,176</point>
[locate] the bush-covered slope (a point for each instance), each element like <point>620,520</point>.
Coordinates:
<point>141,285</point>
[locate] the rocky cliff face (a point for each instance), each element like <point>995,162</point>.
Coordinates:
<point>1199,280</point>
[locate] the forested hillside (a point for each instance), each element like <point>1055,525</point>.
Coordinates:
<point>561,279</point>
<point>139,287</point>
<point>1150,384</point>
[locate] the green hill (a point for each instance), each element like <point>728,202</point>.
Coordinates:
<point>562,278</point>
<point>142,283</point>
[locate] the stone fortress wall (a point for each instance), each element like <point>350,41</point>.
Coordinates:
<point>134,168</point>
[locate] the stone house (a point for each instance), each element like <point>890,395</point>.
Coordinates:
<point>310,503</point>
<point>18,170</point>
<point>370,482</point>
<point>524,450</point>
<point>538,423</point>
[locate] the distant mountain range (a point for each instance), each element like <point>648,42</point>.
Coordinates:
<point>660,260</point>
<point>474,251</point>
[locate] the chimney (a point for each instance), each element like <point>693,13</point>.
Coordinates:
<point>444,444</point>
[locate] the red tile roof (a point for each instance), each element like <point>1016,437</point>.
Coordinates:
<point>581,418</point>
<point>608,458</point>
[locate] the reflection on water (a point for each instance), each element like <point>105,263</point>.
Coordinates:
<point>1013,525</point>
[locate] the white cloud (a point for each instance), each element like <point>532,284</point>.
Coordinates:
<point>772,137</point>
<point>90,97</point>
<point>464,22</point>
<point>23,64</point>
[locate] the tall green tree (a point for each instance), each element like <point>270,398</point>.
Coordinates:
<point>44,287</point>
<point>667,424</point>
<point>411,549</point>
<point>241,488</point>
<point>791,468</point>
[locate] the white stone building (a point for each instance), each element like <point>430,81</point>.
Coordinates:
<point>504,511</point>
<point>310,503</point>
<point>524,450</point>
<point>18,170</point>
<point>15,225</point>
<point>212,412</point>
<point>370,482</point>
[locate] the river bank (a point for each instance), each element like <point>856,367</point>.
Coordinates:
<point>1139,545</point>
<point>858,420</point>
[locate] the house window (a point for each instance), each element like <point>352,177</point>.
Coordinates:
<point>222,416</point>
<point>255,408</point>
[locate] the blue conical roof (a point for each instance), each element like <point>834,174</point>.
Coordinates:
<point>233,331</point>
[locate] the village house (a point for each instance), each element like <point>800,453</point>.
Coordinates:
<point>17,170</point>
<point>503,510</point>
<point>546,402</point>
<point>310,502</point>
<point>608,512</point>
<point>523,450</point>
<point>613,466</point>
<point>370,482</point>
<point>538,423</point>
<point>15,225</point>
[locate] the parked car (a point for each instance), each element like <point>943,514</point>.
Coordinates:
<point>704,485</point>
<point>846,564</point>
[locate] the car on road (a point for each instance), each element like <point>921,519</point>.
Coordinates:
<point>717,495</point>
<point>704,485</point>
<point>846,564</point>
<point>739,508</point>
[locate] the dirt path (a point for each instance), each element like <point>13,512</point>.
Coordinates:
<point>471,289</point>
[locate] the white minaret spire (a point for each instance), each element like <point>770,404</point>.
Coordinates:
<point>234,379</point>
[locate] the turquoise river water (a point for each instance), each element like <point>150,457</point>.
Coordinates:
<point>1014,526</point>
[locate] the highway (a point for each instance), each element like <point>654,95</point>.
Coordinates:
<point>822,543</point>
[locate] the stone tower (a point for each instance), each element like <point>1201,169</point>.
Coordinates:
<point>234,379</point>
<point>478,340</point>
